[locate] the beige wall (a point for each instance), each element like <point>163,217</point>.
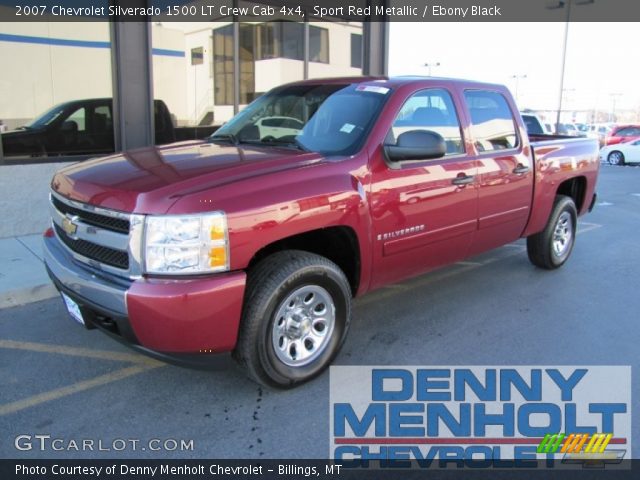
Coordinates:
<point>169,73</point>
<point>35,77</point>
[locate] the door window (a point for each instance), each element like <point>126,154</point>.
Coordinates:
<point>492,123</point>
<point>431,110</point>
<point>79,117</point>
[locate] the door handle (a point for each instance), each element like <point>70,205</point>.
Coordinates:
<point>462,179</point>
<point>520,169</point>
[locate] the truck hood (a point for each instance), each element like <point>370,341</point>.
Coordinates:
<point>150,180</point>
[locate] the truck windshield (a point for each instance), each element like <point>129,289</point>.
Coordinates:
<point>47,118</point>
<point>331,119</point>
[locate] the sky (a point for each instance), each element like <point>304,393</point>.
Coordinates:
<point>602,61</point>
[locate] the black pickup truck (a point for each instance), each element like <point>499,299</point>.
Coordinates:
<point>81,127</point>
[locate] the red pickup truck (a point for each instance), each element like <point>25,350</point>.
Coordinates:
<point>255,241</point>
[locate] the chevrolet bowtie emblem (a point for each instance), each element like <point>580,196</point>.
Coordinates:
<point>69,225</point>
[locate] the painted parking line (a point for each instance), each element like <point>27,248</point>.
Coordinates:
<point>141,364</point>
<point>62,392</point>
<point>80,352</point>
<point>585,227</point>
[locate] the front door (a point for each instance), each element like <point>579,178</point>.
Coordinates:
<point>424,212</point>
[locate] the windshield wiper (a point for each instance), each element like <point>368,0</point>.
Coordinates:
<point>292,143</point>
<point>226,137</point>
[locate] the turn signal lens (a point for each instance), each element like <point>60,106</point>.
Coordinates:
<point>218,257</point>
<point>217,231</point>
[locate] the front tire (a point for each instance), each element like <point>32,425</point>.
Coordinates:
<point>551,248</point>
<point>296,316</point>
<point>616,158</point>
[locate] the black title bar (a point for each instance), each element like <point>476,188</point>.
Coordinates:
<point>321,10</point>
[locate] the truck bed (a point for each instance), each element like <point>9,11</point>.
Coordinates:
<point>559,159</point>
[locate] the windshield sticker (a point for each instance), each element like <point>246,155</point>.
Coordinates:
<point>347,128</point>
<point>372,88</point>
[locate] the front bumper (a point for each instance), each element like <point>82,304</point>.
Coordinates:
<point>163,317</point>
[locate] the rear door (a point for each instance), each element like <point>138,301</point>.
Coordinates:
<point>505,170</point>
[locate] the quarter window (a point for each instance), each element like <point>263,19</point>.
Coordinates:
<point>492,124</point>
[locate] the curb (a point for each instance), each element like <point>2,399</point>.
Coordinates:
<point>24,296</point>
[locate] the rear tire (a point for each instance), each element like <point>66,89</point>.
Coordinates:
<point>296,315</point>
<point>616,158</point>
<point>551,248</point>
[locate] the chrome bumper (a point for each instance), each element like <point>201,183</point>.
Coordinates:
<point>99,289</point>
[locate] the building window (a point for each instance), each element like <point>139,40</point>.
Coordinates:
<point>247,63</point>
<point>292,40</point>
<point>48,109</point>
<point>280,40</point>
<point>197,56</point>
<point>318,44</point>
<point>223,65</point>
<point>356,50</point>
<point>267,40</point>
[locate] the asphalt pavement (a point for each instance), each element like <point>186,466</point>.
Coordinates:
<point>60,380</point>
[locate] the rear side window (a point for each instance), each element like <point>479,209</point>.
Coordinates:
<point>628,132</point>
<point>532,124</point>
<point>431,110</point>
<point>492,124</point>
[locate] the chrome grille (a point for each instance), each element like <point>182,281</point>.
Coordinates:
<point>106,255</point>
<point>110,223</point>
<point>106,239</point>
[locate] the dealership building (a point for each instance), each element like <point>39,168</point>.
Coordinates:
<point>144,78</point>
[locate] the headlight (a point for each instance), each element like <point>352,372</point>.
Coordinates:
<point>186,244</point>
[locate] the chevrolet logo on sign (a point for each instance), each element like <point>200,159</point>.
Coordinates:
<point>69,226</point>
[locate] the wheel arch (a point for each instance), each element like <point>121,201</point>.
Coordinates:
<point>339,244</point>
<point>575,188</point>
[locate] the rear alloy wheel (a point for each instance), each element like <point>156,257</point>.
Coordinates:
<point>616,158</point>
<point>551,248</point>
<point>296,316</point>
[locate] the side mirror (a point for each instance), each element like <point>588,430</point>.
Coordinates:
<point>416,145</point>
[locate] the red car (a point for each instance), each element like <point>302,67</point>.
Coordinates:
<point>255,243</point>
<point>623,133</point>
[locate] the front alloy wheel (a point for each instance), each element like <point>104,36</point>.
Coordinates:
<point>296,315</point>
<point>303,326</point>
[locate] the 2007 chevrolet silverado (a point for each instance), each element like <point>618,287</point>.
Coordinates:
<point>255,241</point>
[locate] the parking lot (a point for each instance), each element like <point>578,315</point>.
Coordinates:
<point>58,379</point>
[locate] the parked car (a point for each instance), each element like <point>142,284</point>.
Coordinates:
<point>621,153</point>
<point>534,125</point>
<point>256,246</point>
<point>86,127</point>
<point>622,133</point>
<point>279,126</point>
<point>599,131</point>
<point>568,129</point>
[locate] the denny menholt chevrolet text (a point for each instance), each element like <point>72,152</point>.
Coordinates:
<point>254,241</point>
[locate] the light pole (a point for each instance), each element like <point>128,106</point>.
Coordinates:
<point>430,65</point>
<point>517,78</point>
<point>614,97</point>
<point>561,4</point>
